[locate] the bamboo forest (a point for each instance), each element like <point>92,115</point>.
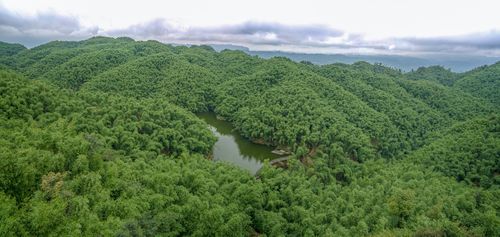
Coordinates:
<point>117,137</point>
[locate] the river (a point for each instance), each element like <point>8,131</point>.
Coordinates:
<point>231,147</point>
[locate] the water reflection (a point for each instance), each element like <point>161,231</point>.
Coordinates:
<point>233,148</point>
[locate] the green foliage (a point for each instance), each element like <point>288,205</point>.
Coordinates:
<point>401,205</point>
<point>456,104</point>
<point>138,126</point>
<point>435,74</point>
<point>468,151</point>
<point>101,140</point>
<point>7,50</point>
<point>412,119</point>
<point>482,82</point>
<point>76,71</point>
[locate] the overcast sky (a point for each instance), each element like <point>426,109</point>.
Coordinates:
<point>354,26</point>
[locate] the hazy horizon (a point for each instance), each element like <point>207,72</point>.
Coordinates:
<point>406,63</point>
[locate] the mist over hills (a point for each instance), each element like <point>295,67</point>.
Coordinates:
<point>456,63</point>
<point>453,62</point>
<point>405,63</point>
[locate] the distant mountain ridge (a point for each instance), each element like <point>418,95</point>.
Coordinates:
<point>457,63</point>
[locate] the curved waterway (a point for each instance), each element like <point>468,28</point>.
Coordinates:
<point>233,148</point>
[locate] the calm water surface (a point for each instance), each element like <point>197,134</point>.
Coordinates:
<point>233,148</point>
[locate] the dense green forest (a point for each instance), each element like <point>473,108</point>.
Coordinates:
<point>100,138</point>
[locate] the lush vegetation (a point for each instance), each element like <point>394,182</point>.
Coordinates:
<point>482,82</point>
<point>99,138</point>
<point>434,73</point>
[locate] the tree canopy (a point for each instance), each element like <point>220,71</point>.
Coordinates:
<point>100,138</point>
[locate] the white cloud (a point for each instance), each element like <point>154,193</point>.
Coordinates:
<point>385,26</point>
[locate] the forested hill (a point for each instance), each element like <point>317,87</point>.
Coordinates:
<point>456,62</point>
<point>100,138</point>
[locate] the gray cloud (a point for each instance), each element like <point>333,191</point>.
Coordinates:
<point>284,34</point>
<point>154,28</point>
<point>479,41</point>
<point>246,33</point>
<point>310,36</point>
<point>41,27</point>
<point>44,20</point>
<point>47,26</point>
